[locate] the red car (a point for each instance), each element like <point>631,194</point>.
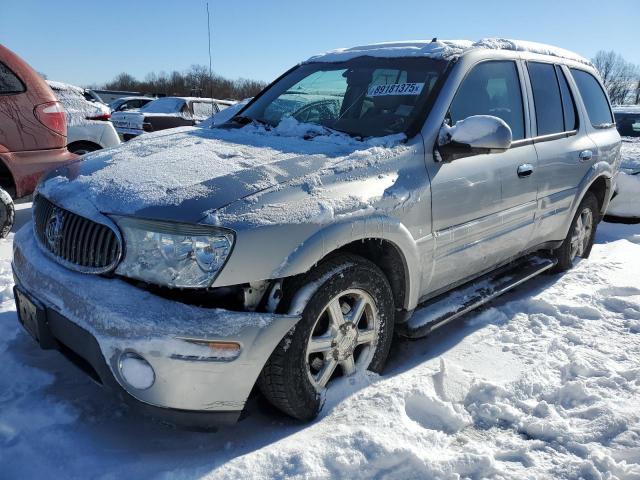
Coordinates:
<point>33,133</point>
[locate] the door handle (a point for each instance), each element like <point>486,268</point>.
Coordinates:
<point>525,170</point>
<point>585,155</point>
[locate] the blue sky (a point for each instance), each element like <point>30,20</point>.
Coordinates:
<point>85,42</point>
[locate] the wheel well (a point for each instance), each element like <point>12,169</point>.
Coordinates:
<point>388,258</point>
<point>6,179</point>
<point>599,189</point>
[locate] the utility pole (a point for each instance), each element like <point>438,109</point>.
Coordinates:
<point>210,63</point>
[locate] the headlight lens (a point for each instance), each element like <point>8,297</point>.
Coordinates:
<point>173,254</point>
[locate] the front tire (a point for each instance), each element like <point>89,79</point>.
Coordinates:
<point>346,327</point>
<point>579,240</point>
<point>7,213</point>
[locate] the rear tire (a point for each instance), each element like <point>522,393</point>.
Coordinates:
<point>7,213</point>
<point>579,240</point>
<point>346,327</point>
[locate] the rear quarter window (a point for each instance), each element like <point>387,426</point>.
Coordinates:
<point>9,82</point>
<point>547,98</point>
<point>594,99</point>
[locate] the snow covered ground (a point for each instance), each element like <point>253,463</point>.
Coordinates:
<point>543,383</point>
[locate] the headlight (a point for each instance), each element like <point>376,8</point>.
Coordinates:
<point>173,254</point>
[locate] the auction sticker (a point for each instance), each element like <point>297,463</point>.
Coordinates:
<point>395,89</point>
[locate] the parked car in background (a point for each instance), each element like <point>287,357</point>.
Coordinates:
<point>224,115</point>
<point>33,133</point>
<point>129,103</point>
<point>166,112</point>
<point>279,254</point>
<point>625,205</point>
<point>88,128</point>
<point>108,96</point>
<point>627,120</point>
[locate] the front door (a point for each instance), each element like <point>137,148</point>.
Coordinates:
<point>483,206</point>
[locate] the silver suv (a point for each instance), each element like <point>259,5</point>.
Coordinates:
<point>283,248</point>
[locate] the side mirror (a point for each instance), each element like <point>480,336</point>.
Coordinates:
<point>475,135</point>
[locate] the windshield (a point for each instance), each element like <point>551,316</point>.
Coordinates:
<point>164,105</point>
<point>366,96</point>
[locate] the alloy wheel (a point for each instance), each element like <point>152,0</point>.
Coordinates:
<point>343,337</point>
<point>581,233</point>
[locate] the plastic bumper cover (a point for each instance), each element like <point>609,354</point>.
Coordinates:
<point>118,317</point>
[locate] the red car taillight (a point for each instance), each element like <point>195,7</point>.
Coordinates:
<point>103,116</point>
<point>52,116</point>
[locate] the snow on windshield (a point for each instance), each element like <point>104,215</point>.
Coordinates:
<point>365,97</point>
<point>164,105</point>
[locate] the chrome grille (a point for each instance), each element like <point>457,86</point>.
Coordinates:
<point>75,241</point>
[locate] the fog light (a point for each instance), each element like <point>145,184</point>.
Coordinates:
<point>136,371</point>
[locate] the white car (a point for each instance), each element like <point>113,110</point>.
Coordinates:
<point>88,128</point>
<point>625,205</point>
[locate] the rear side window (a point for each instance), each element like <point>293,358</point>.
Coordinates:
<point>547,98</point>
<point>202,109</point>
<point>568,103</point>
<point>491,88</point>
<point>9,82</point>
<point>594,99</point>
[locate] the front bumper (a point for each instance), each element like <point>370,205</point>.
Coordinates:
<point>97,319</point>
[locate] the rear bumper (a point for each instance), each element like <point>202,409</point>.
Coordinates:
<point>94,320</point>
<point>28,167</point>
<point>128,133</point>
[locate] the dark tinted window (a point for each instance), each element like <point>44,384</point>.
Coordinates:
<point>546,96</point>
<point>594,98</point>
<point>491,88</point>
<point>628,124</point>
<point>9,82</point>
<point>568,103</point>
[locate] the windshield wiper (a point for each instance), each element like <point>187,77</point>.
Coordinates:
<point>244,120</point>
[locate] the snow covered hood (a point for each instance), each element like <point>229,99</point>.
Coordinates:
<point>443,49</point>
<point>183,173</point>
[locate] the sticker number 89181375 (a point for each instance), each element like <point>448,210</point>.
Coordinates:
<point>395,89</point>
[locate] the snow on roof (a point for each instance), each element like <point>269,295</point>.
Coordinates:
<point>64,86</point>
<point>444,49</point>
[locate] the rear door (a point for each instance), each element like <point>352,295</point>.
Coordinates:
<point>565,152</point>
<point>482,210</point>
<point>600,124</point>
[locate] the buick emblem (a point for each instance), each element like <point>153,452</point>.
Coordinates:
<point>53,229</point>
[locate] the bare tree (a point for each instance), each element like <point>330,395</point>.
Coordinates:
<point>195,81</point>
<point>620,77</point>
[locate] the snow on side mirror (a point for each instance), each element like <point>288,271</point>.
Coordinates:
<point>475,135</point>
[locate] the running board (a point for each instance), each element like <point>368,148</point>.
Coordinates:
<point>455,303</point>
